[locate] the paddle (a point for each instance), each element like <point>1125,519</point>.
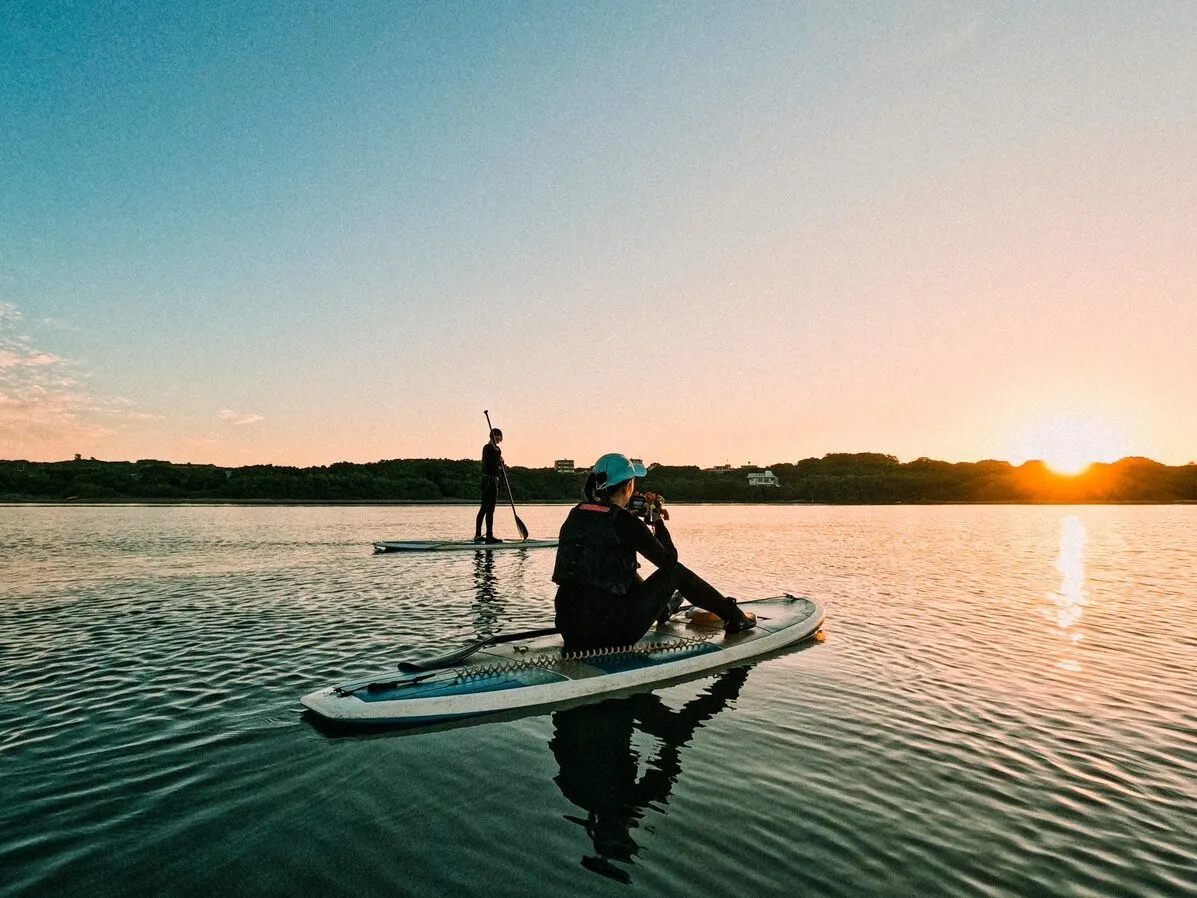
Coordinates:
<point>519,525</point>
<point>461,654</point>
<point>451,658</point>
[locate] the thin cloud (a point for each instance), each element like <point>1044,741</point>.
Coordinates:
<point>929,37</point>
<point>239,419</point>
<point>955,41</point>
<point>44,401</point>
<point>13,359</point>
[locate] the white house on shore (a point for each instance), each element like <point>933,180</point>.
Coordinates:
<point>762,478</point>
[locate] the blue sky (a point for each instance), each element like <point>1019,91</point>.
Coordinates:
<point>264,233</point>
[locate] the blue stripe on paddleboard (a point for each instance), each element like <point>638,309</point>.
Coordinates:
<point>467,685</point>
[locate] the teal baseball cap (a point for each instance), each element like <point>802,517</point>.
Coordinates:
<point>614,468</point>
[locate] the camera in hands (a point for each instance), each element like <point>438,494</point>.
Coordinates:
<point>648,506</point>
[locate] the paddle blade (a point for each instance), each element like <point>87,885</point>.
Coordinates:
<point>519,525</point>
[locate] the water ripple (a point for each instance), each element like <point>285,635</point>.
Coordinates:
<point>1002,706</point>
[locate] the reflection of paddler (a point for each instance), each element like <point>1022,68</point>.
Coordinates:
<point>599,766</point>
<point>488,609</point>
<point>484,575</point>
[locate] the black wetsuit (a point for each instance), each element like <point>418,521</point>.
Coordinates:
<point>601,601</point>
<point>492,469</point>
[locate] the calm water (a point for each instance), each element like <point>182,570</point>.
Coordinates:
<point>1003,705</point>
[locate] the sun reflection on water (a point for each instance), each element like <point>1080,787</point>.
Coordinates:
<point>1069,601</point>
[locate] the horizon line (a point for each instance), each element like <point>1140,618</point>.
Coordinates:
<point>1029,461</point>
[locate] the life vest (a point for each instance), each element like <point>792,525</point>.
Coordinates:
<point>589,552</point>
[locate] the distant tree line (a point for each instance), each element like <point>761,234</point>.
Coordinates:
<point>865,478</point>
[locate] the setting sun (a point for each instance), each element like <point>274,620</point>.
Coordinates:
<point>1070,445</point>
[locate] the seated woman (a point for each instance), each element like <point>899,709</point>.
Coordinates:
<point>601,601</point>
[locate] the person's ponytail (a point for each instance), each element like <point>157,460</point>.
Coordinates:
<point>590,489</point>
<point>595,489</point>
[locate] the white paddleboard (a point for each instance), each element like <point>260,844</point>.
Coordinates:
<point>533,673</point>
<point>461,545</point>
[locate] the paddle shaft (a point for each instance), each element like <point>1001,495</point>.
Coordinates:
<point>451,658</point>
<point>519,525</point>
<point>461,654</point>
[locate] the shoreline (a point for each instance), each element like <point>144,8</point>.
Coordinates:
<point>331,503</point>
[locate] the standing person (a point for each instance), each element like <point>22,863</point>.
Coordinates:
<point>492,470</point>
<point>601,601</point>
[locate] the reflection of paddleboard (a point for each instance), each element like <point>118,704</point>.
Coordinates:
<point>532,673</point>
<point>461,545</point>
